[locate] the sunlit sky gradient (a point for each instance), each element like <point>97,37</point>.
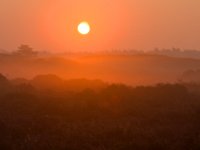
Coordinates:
<point>115,24</point>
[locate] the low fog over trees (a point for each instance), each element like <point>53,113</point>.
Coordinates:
<point>127,67</point>
<point>120,100</point>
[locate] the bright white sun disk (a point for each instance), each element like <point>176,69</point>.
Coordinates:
<point>84,28</point>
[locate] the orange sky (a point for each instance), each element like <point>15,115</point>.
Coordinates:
<point>115,24</point>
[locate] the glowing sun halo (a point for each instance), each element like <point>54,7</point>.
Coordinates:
<point>84,28</point>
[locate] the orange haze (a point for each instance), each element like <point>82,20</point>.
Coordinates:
<point>115,24</point>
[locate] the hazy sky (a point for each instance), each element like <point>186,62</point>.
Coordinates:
<point>115,24</point>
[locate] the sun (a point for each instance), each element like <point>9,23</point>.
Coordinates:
<point>84,28</point>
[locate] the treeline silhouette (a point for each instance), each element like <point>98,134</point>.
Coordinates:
<point>25,50</point>
<point>50,113</point>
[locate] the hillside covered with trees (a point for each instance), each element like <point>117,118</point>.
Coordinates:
<point>104,116</point>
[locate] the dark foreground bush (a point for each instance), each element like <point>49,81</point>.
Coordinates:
<point>163,117</point>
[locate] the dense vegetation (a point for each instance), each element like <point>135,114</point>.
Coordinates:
<point>106,117</point>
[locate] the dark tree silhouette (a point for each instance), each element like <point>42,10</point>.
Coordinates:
<point>25,50</point>
<point>120,117</point>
